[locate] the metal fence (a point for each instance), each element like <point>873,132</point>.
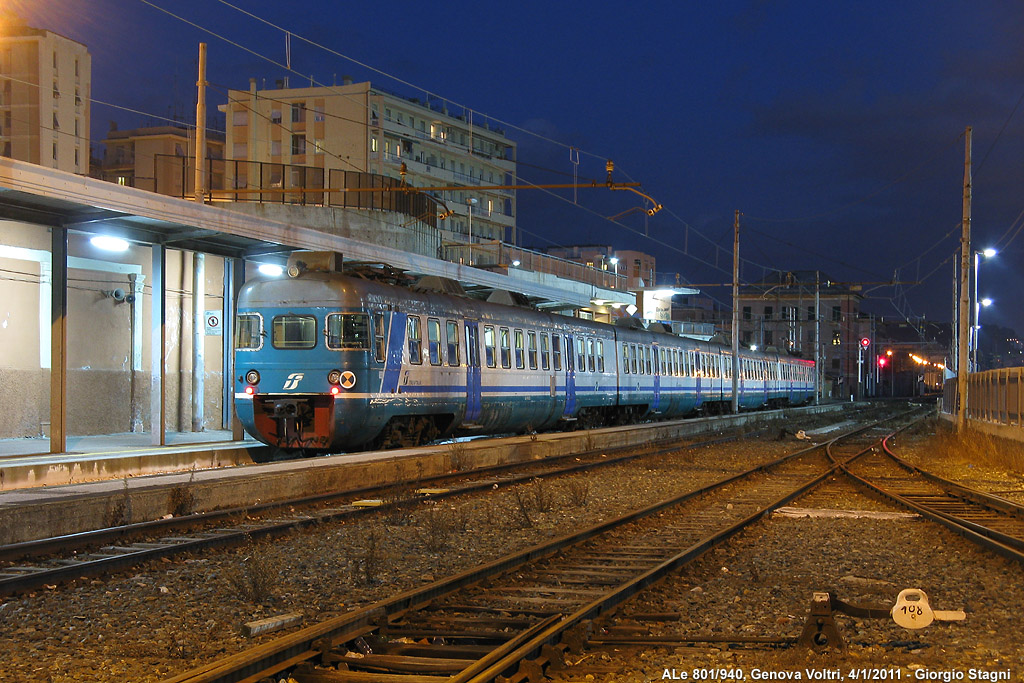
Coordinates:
<point>269,183</point>
<point>995,396</point>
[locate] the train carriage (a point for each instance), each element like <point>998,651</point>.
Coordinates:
<point>327,362</point>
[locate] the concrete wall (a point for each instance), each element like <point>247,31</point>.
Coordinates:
<point>108,357</point>
<point>375,227</point>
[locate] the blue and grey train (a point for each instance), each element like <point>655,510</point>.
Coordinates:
<point>327,362</point>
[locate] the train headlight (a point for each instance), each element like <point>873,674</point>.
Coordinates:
<point>334,376</point>
<point>252,377</point>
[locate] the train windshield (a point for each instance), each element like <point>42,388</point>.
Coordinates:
<point>248,331</point>
<point>348,331</point>
<point>294,332</point>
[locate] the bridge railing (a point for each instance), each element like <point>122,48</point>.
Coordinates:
<point>995,396</point>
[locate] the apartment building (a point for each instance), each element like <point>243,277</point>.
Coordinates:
<point>637,267</point>
<point>45,84</point>
<point>355,127</point>
<point>160,159</point>
<point>780,313</point>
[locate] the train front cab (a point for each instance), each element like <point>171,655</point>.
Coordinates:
<point>294,368</point>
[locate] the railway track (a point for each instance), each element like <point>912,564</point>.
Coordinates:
<point>510,618</point>
<point>989,520</point>
<point>100,552</point>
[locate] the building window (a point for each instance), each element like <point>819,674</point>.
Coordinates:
<point>835,363</point>
<point>768,312</point>
<point>275,116</point>
<point>240,117</point>
<point>318,113</point>
<point>373,144</point>
<point>768,338</point>
<point>837,314</point>
<point>56,125</point>
<point>298,112</point>
<point>76,158</point>
<point>55,151</point>
<point>240,150</point>
<point>76,69</point>
<point>275,148</point>
<point>122,180</point>
<point>318,146</point>
<point>810,312</point>
<point>835,338</point>
<point>747,313</point>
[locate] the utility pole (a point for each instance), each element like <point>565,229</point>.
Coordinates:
<point>736,314</point>
<point>817,335</point>
<point>964,312</point>
<point>198,260</point>
<point>200,184</point>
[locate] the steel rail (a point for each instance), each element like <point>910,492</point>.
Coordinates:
<point>53,544</point>
<point>995,541</point>
<point>286,651</point>
<point>20,579</point>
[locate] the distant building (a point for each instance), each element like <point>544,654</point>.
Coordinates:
<point>909,357</point>
<point>159,159</point>
<point>637,267</point>
<point>359,128</point>
<point>780,313</point>
<point>45,87</point>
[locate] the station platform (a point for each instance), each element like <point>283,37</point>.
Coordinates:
<point>27,463</point>
<point>75,505</point>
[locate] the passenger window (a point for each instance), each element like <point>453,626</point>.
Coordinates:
<point>489,345</point>
<point>506,351</point>
<point>581,357</point>
<point>379,341</point>
<point>545,352</point>
<point>294,332</point>
<point>517,338</point>
<point>632,358</point>
<point>434,340</point>
<point>472,346</point>
<point>625,358</point>
<point>599,349</point>
<point>248,332</point>
<point>556,351</point>
<point>414,337</point>
<point>348,331</point>
<point>591,364</point>
<point>452,337</point>
<point>647,359</point>
<point>531,349</point>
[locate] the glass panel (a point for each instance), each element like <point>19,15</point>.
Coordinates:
<point>434,340</point>
<point>531,349</point>
<point>600,355</point>
<point>544,352</point>
<point>348,331</point>
<point>379,342</point>
<point>556,351</point>
<point>415,339</point>
<point>294,332</point>
<point>506,349</point>
<point>518,339</point>
<point>489,345</point>
<point>247,331</point>
<point>452,334</point>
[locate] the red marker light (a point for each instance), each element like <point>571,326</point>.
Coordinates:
<point>250,391</point>
<point>335,391</point>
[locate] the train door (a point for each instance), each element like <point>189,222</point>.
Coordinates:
<point>393,357</point>
<point>658,359</point>
<point>472,371</point>
<point>570,377</point>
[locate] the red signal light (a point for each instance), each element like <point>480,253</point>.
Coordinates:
<point>882,360</point>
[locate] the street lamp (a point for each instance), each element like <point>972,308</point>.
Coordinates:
<point>975,328</point>
<point>470,203</point>
<point>614,260</point>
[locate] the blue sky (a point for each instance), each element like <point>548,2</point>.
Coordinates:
<point>836,128</point>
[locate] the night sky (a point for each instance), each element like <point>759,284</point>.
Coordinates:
<point>836,128</point>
